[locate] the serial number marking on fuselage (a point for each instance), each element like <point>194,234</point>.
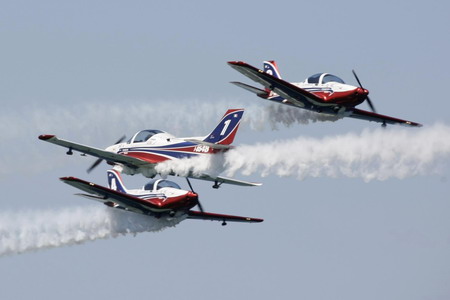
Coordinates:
<point>201,149</point>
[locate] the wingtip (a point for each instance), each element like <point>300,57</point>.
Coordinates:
<point>45,137</point>
<point>413,124</point>
<point>236,62</point>
<point>256,220</point>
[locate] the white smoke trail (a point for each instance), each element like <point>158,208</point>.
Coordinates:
<point>107,121</point>
<point>287,115</point>
<point>100,124</point>
<point>33,230</point>
<point>373,154</point>
<point>212,165</point>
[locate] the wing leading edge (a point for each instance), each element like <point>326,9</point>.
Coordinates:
<point>218,180</point>
<point>96,152</point>
<point>374,117</point>
<point>196,215</point>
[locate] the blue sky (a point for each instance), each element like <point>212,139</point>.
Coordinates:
<point>92,71</point>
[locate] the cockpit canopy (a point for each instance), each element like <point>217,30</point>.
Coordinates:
<point>144,135</point>
<point>321,78</point>
<point>156,184</point>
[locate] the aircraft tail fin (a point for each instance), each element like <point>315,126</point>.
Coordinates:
<point>225,131</point>
<point>115,181</point>
<point>271,68</point>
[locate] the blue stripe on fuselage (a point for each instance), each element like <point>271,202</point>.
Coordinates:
<point>175,154</point>
<point>179,145</point>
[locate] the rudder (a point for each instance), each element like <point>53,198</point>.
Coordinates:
<point>225,131</point>
<point>271,68</point>
<point>115,181</point>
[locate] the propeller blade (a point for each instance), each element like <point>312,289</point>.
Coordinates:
<point>192,190</point>
<point>120,140</point>
<point>357,79</point>
<point>98,161</point>
<point>94,165</point>
<point>200,206</point>
<point>190,185</point>
<point>371,105</point>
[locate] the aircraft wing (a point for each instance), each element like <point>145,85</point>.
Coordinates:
<point>110,197</point>
<point>218,180</point>
<point>370,116</point>
<point>96,152</point>
<point>297,96</point>
<point>197,215</point>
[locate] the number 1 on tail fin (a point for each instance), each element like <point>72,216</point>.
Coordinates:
<point>225,131</point>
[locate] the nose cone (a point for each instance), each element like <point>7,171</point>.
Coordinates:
<point>192,199</point>
<point>362,92</point>
<point>192,196</point>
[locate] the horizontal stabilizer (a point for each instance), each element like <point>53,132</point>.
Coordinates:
<point>211,145</point>
<point>92,197</point>
<point>257,91</point>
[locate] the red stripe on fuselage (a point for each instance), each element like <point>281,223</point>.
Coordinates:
<point>347,98</point>
<point>152,157</point>
<point>186,201</point>
<point>157,158</point>
<point>229,139</point>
